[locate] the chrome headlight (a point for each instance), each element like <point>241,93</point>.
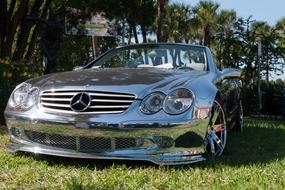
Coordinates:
<point>24,96</point>
<point>178,101</point>
<point>152,103</point>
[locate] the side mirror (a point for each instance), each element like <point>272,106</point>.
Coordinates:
<point>76,68</point>
<point>228,73</point>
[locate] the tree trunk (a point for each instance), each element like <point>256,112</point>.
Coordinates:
<point>31,47</point>
<point>15,31</point>
<point>130,35</point>
<point>3,23</point>
<point>11,9</point>
<point>25,30</point>
<point>36,33</point>
<point>7,28</point>
<point>160,17</point>
<point>267,67</point>
<point>11,28</point>
<point>144,34</point>
<point>207,36</point>
<point>135,34</point>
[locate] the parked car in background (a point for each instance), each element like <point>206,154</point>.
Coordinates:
<point>165,103</point>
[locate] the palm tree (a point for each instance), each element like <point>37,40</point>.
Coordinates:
<point>177,20</point>
<point>280,26</point>
<point>225,42</point>
<point>206,18</point>
<point>194,34</point>
<point>280,29</point>
<point>226,21</point>
<point>261,31</point>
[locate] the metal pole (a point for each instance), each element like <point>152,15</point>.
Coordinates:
<point>94,46</point>
<point>258,78</point>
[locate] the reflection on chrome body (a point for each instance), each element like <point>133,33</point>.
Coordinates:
<point>158,140</point>
<point>95,113</point>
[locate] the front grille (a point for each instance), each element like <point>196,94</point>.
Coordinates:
<point>101,102</point>
<point>58,141</point>
<point>83,144</point>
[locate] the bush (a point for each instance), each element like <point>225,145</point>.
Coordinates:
<point>273,99</point>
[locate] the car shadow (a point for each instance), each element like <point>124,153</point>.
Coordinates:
<point>99,164</point>
<point>260,142</point>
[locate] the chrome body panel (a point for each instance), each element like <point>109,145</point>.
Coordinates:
<point>185,132</point>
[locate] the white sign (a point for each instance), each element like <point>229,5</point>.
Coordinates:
<point>96,25</point>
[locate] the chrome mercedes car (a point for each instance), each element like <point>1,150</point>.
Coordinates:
<point>164,103</point>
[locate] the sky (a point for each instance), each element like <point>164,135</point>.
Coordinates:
<point>262,10</point>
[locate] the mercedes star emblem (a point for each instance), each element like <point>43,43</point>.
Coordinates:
<point>80,102</point>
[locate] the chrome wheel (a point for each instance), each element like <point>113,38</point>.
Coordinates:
<point>216,135</point>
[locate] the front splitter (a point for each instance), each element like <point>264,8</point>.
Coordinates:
<point>177,158</point>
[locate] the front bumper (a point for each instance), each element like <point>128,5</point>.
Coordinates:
<point>164,142</point>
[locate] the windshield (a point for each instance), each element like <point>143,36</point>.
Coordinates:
<point>155,56</point>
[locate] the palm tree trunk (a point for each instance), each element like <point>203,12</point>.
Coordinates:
<point>36,32</point>
<point>207,36</point>
<point>3,23</point>
<point>160,17</point>
<point>25,29</point>
<point>130,35</point>
<point>13,26</point>
<point>144,34</point>
<point>135,34</point>
<point>267,68</point>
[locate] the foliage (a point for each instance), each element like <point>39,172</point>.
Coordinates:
<point>273,97</point>
<point>233,40</point>
<point>236,47</point>
<point>76,51</point>
<point>280,29</point>
<point>205,16</point>
<point>254,159</point>
<point>177,22</point>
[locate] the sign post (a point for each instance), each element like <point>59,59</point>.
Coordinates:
<point>94,46</point>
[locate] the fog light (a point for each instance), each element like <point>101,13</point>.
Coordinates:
<point>16,132</point>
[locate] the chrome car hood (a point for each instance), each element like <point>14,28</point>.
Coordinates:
<point>137,81</point>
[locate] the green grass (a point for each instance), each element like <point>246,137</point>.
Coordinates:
<point>254,159</point>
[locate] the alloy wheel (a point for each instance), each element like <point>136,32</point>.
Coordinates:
<point>216,135</point>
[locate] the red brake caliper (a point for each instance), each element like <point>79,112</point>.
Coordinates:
<point>218,128</point>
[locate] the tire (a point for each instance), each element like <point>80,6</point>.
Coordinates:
<point>216,135</point>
